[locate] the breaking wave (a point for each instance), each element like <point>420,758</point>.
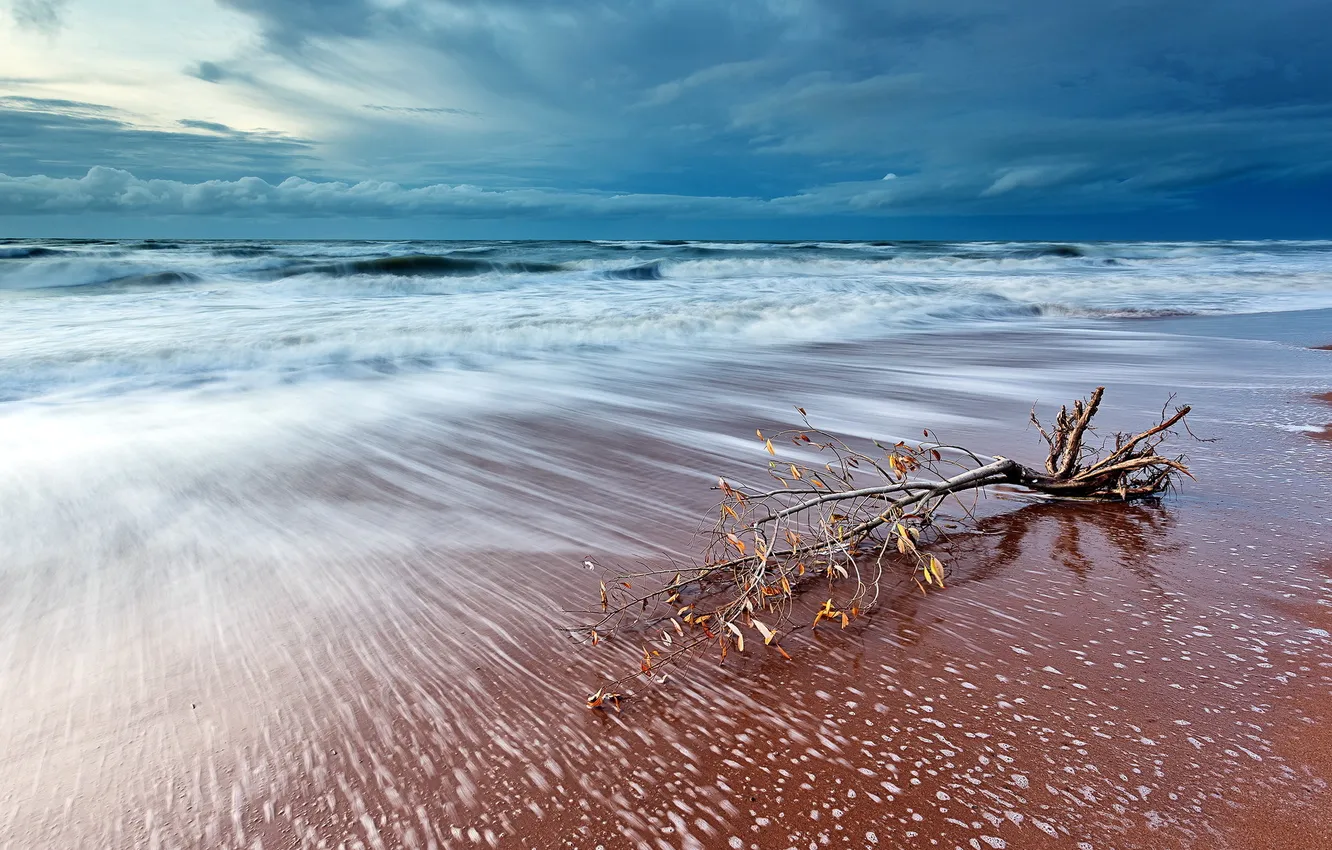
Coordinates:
<point>425,265</point>
<point>244,313</point>
<point>27,253</point>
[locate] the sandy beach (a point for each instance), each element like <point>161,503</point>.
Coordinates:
<point>666,425</point>
<point>387,671</point>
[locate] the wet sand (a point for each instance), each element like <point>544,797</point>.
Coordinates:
<point>1094,676</point>
<point>1326,432</point>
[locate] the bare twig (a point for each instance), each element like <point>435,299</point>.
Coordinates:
<point>769,545</point>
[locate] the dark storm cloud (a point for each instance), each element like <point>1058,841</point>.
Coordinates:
<point>209,72</point>
<point>58,138</point>
<point>292,21</point>
<point>1039,104</point>
<point>975,107</point>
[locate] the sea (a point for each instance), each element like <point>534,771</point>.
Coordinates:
<point>95,319</point>
<point>290,530</point>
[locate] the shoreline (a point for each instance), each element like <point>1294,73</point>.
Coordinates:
<point>422,694</point>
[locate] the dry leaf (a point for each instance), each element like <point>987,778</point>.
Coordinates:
<point>768,634</point>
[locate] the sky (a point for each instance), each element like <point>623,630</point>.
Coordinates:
<point>666,118</point>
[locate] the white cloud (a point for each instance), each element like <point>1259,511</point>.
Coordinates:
<point>115,190</point>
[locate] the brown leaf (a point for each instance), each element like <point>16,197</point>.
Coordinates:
<point>936,566</point>
<point>827,611</point>
<point>768,634</point>
<point>602,697</point>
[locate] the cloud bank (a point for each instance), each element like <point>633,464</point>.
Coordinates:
<point>115,190</point>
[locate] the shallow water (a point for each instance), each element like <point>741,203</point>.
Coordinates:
<point>285,555</point>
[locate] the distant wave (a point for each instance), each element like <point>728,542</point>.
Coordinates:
<point>647,271</point>
<point>28,253</point>
<point>1066,251</point>
<point>1035,252</point>
<point>243,251</point>
<point>154,245</point>
<point>1065,311</point>
<point>154,279</point>
<point>246,313</point>
<point>422,265</point>
<point>149,280</point>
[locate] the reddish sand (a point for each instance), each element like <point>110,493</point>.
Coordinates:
<point>1093,676</point>
<point>1326,432</point>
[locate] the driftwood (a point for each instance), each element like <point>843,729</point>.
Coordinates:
<point>841,517</point>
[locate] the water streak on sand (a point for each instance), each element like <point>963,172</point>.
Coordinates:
<point>284,555</point>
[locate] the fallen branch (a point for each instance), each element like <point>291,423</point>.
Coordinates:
<point>822,526</point>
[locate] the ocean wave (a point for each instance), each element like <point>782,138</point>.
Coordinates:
<point>243,251</point>
<point>85,277</point>
<point>647,271</point>
<point>1065,251</point>
<point>154,245</point>
<point>422,265</point>
<point>1070,312</point>
<point>24,253</point>
<point>239,314</point>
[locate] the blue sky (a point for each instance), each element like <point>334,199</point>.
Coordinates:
<point>568,118</point>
